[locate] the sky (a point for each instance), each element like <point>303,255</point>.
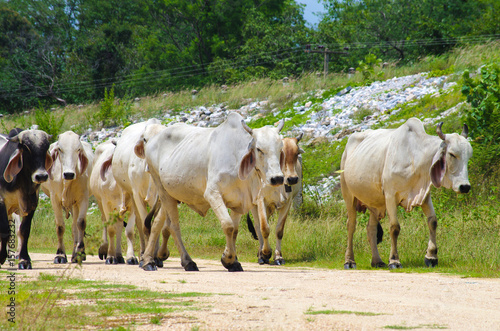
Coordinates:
<point>312,6</point>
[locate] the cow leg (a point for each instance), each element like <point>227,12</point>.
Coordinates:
<point>164,253</point>
<point>79,226</point>
<point>17,222</point>
<point>351,228</point>
<point>371,232</point>
<point>103,248</point>
<point>4,232</point>
<point>25,229</point>
<point>228,259</point>
<point>265,251</point>
<point>431,259</point>
<point>168,213</point>
<point>392,209</point>
<point>60,229</point>
<point>260,257</point>
<point>129,232</point>
<point>112,249</point>
<point>280,228</point>
<point>118,246</point>
<point>141,213</point>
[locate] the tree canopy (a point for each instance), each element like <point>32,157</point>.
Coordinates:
<point>70,51</point>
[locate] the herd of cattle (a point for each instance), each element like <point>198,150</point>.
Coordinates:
<point>232,169</point>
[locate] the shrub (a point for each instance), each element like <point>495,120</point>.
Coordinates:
<point>48,122</point>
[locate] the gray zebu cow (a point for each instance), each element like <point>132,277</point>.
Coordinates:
<point>216,168</point>
<point>280,199</point>
<point>68,189</point>
<point>109,198</point>
<point>131,174</point>
<point>24,162</point>
<point>384,169</point>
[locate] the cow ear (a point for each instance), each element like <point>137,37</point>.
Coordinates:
<point>301,150</point>
<point>438,167</point>
<point>282,161</point>
<point>104,168</point>
<point>14,166</point>
<point>139,149</point>
<point>247,164</point>
<point>48,164</point>
<point>84,161</point>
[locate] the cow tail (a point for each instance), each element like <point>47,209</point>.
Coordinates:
<point>380,233</point>
<point>152,213</point>
<point>251,228</point>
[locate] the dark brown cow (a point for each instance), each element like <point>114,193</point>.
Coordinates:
<point>24,161</point>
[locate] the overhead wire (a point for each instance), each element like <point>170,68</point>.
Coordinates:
<point>237,63</point>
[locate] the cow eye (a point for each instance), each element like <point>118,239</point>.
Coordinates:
<point>260,151</point>
<point>453,155</point>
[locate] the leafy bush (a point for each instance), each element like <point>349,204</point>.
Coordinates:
<point>111,114</point>
<point>367,67</point>
<point>483,93</point>
<point>48,122</point>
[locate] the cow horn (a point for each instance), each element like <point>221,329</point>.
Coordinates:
<point>281,124</point>
<point>439,132</point>
<point>15,139</point>
<point>300,136</point>
<point>465,131</point>
<point>246,127</point>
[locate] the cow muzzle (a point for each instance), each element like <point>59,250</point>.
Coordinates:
<point>40,177</point>
<point>277,180</point>
<point>292,180</point>
<point>464,188</point>
<point>69,175</point>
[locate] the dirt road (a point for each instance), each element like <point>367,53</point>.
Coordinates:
<point>282,298</point>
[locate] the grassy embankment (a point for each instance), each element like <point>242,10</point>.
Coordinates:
<point>469,226</point>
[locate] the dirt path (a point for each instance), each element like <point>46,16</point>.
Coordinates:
<point>278,298</point>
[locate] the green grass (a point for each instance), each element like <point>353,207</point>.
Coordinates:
<point>63,302</point>
<point>340,312</point>
<point>420,326</point>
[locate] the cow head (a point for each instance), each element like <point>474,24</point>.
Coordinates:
<point>31,154</point>
<point>449,165</point>
<point>70,152</point>
<point>291,152</point>
<point>267,153</point>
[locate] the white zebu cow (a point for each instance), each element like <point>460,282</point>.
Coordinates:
<point>279,199</point>
<point>109,198</point>
<point>216,168</point>
<point>384,169</point>
<point>131,174</point>
<point>68,189</point>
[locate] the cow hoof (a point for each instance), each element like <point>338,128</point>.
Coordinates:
<point>158,262</point>
<point>103,251</point>
<point>395,265</point>
<point>280,261</point>
<point>132,261</point>
<point>120,259</point>
<point>431,262</point>
<point>60,260</point>
<point>263,261</point>
<point>379,265</point>
<point>349,265</point>
<point>111,260</point>
<point>149,267</point>
<point>234,267</point>
<point>191,266</point>
<point>24,265</point>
